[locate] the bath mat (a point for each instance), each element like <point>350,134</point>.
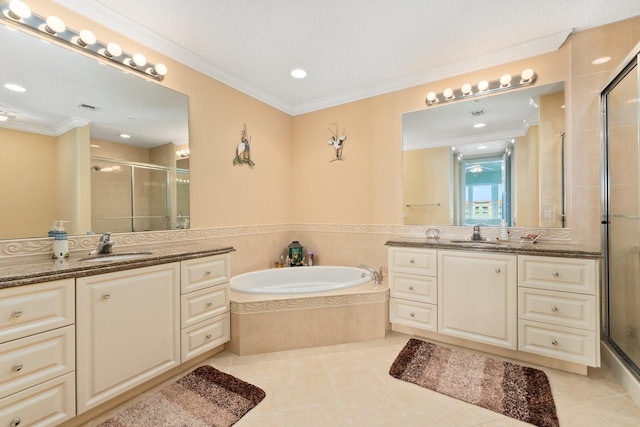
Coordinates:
<point>516,391</point>
<point>204,397</point>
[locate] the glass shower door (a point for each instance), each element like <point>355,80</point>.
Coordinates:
<point>622,215</point>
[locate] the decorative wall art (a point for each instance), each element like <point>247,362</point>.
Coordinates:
<point>337,141</point>
<point>243,153</point>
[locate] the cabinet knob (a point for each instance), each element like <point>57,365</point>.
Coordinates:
<point>412,314</point>
<point>555,274</point>
<point>412,261</point>
<point>554,342</point>
<point>554,308</point>
<point>16,313</point>
<point>410,288</point>
<point>208,336</point>
<point>15,422</point>
<point>498,270</point>
<point>209,304</point>
<point>207,273</point>
<point>17,367</point>
<point>106,296</point>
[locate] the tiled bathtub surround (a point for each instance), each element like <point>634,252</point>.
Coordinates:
<point>267,323</point>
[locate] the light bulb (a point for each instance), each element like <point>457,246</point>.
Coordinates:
<point>431,97</point>
<point>483,85</point>
<point>160,69</point>
<point>19,10</point>
<point>54,25</point>
<point>466,89</point>
<point>505,80</point>
<point>139,60</point>
<point>527,75</point>
<point>448,93</point>
<point>113,50</point>
<point>86,38</point>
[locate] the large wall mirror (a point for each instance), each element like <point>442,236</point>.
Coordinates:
<point>486,160</point>
<point>87,142</point>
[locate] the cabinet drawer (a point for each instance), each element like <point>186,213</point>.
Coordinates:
<point>573,345</point>
<point>558,308</point>
<point>415,314</point>
<point>413,260</point>
<point>27,310</point>
<point>414,287</point>
<point>205,336</point>
<point>201,273</point>
<point>33,360</point>
<point>558,274</point>
<point>47,404</point>
<point>205,304</point>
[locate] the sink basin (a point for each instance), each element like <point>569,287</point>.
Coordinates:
<point>475,242</point>
<point>116,257</point>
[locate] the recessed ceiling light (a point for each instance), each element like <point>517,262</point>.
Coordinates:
<point>298,73</point>
<point>14,87</point>
<point>601,60</point>
<point>125,136</point>
<point>479,125</point>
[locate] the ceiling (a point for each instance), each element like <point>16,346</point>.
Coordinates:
<point>351,49</point>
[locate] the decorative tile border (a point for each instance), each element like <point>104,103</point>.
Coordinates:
<point>308,302</point>
<point>21,247</point>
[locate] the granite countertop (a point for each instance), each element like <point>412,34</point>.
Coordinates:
<point>26,270</point>
<point>518,247</point>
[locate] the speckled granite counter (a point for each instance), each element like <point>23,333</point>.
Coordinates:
<point>27,270</point>
<point>512,247</point>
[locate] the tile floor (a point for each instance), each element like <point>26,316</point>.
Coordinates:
<point>349,385</point>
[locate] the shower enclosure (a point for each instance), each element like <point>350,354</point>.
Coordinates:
<point>127,197</point>
<point>621,213</point>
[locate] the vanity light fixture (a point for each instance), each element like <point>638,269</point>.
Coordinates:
<point>18,14</point>
<point>484,87</point>
<point>183,153</point>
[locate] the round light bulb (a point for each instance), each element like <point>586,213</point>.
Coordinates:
<point>161,69</point>
<point>527,74</point>
<point>483,85</point>
<point>298,73</point>
<point>19,9</point>
<point>448,93</point>
<point>113,50</point>
<point>505,80</point>
<point>431,97</point>
<point>139,60</point>
<point>466,89</point>
<point>54,25</point>
<point>86,38</point>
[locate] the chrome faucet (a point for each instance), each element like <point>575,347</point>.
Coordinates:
<point>104,245</point>
<point>476,233</point>
<point>433,233</point>
<point>377,275</point>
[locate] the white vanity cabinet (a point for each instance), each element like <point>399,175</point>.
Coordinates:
<point>37,354</point>
<point>205,313</point>
<point>558,308</point>
<point>128,330</point>
<point>413,285</point>
<point>477,297</point>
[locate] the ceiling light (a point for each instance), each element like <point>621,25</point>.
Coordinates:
<point>19,10</point>
<point>478,126</point>
<point>125,136</point>
<point>54,25</point>
<point>86,38</point>
<point>298,73</point>
<point>14,87</point>
<point>601,60</point>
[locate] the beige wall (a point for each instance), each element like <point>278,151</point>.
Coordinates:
<point>295,182</point>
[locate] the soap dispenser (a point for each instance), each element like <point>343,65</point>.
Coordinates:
<point>504,233</point>
<point>60,242</point>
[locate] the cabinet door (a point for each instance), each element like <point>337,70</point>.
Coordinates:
<point>477,297</point>
<point>128,330</point>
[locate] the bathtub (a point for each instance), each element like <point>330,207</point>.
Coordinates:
<point>299,280</point>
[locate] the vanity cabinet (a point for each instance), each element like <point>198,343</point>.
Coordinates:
<point>413,285</point>
<point>558,308</point>
<point>205,313</point>
<point>128,330</point>
<point>477,297</point>
<point>37,354</point>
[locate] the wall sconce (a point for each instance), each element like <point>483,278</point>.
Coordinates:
<point>18,13</point>
<point>484,87</point>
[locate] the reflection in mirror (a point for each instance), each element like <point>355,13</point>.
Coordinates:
<point>62,144</point>
<point>487,160</point>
